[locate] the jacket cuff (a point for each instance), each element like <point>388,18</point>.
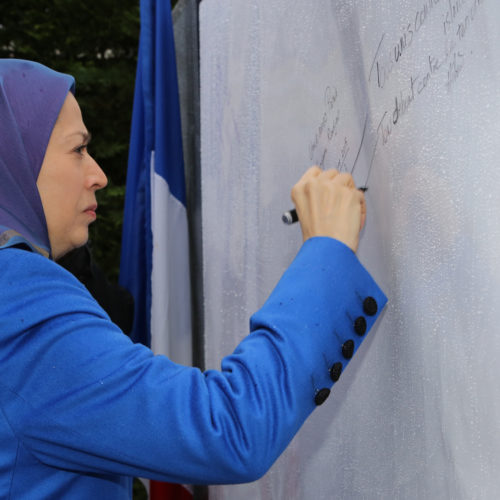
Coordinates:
<point>324,305</point>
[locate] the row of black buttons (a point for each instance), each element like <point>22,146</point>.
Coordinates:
<point>370,308</point>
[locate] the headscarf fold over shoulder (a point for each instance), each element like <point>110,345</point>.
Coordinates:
<point>31,97</point>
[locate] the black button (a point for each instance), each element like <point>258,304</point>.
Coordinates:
<point>348,349</point>
<point>321,396</point>
<point>360,325</point>
<point>370,306</point>
<point>335,371</point>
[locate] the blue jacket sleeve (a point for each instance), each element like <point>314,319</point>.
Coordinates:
<point>80,396</point>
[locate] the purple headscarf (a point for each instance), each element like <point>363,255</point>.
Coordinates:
<point>31,97</point>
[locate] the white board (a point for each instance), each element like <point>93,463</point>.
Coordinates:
<point>406,94</point>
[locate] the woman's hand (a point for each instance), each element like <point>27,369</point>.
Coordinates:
<point>328,204</point>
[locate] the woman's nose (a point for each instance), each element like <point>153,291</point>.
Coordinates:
<point>97,177</point>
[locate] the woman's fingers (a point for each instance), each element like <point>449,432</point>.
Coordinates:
<point>363,210</point>
<point>330,173</point>
<point>328,204</point>
<point>345,179</point>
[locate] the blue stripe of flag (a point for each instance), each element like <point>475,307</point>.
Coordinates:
<point>155,127</point>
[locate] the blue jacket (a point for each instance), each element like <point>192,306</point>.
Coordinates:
<point>83,409</point>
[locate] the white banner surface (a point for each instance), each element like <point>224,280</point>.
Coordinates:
<point>406,95</point>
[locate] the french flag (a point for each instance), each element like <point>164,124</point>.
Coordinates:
<point>155,258</point>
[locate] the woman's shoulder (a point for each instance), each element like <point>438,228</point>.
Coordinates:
<point>27,277</point>
<point>19,264</point>
<point>22,256</point>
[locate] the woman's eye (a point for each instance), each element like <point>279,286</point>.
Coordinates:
<point>81,149</point>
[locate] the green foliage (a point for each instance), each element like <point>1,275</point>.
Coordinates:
<point>139,491</point>
<point>96,41</point>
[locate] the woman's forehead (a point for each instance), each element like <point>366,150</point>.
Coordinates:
<point>70,121</point>
<point>70,113</point>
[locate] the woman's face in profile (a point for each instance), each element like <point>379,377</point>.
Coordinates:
<point>68,180</point>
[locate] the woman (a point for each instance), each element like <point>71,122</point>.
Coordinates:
<point>83,409</point>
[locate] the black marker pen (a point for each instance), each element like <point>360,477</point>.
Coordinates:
<point>291,216</point>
